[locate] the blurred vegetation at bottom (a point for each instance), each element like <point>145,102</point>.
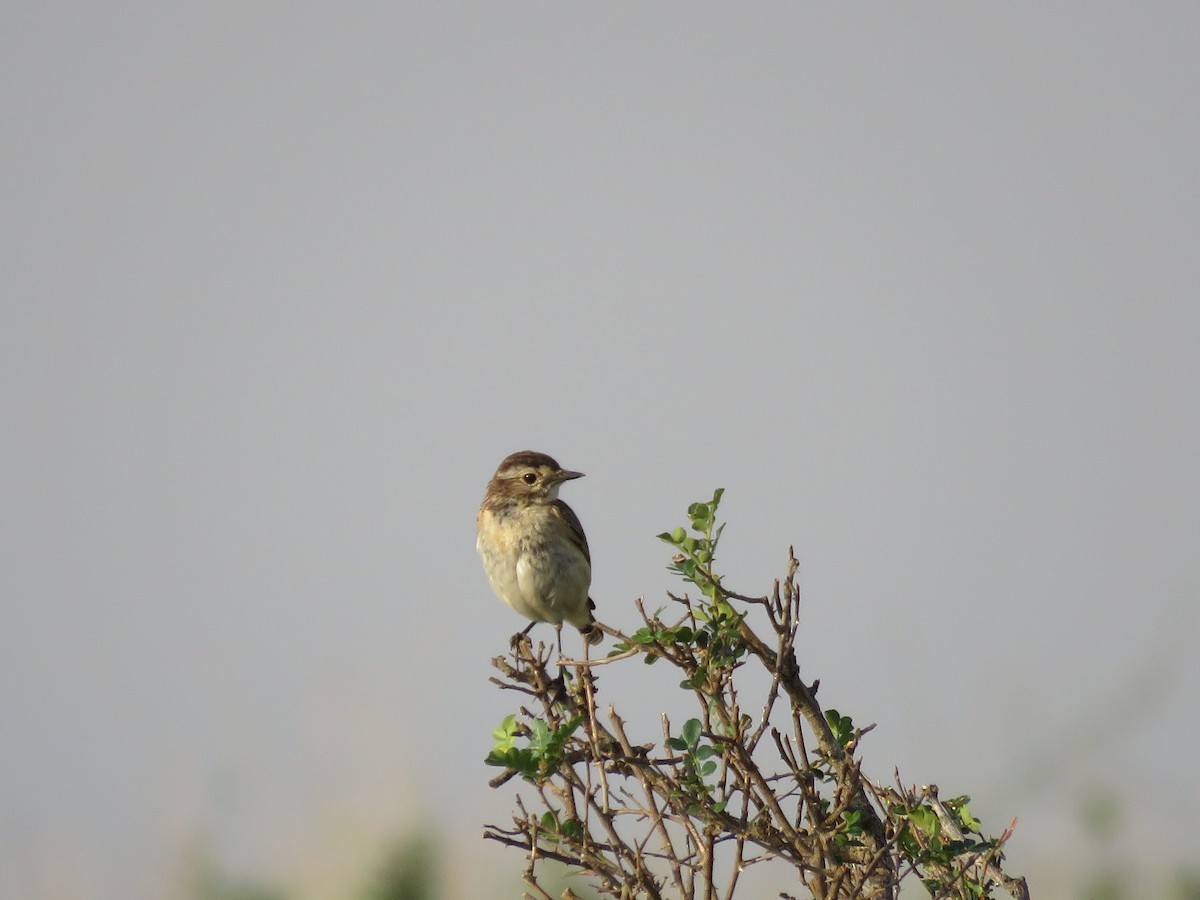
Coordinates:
<point>411,871</point>
<point>1113,873</point>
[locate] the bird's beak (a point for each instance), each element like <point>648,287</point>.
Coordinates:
<point>568,476</point>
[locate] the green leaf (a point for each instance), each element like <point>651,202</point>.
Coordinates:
<point>540,737</point>
<point>691,731</point>
<point>841,726</point>
<point>961,806</point>
<point>852,822</point>
<point>568,728</point>
<point>518,760</point>
<point>571,828</point>
<point>677,744</point>
<point>506,733</point>
<point>925,819</point>
<point>709,767</point>
<point>678,535</point>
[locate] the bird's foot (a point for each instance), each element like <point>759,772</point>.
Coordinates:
<point>515,641</point>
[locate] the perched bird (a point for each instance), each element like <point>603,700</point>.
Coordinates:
<point>533,547</point>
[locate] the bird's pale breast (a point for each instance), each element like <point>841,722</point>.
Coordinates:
<point>533,566</point>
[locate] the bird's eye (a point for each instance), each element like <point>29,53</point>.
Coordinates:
<point>530,478</point>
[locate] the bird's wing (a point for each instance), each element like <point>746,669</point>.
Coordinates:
<point>574,527</point>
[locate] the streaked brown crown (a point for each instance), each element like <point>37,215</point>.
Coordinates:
<point>528,459</point>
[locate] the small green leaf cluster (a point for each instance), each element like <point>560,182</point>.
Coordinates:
<point>841,726</point>
<point>924,841</point>
<point>698,550</point>
<point>543,754</point>
<point>849,829</point>
<point>718,637</point>
<point>719,646</point>
<point>698,760</point>
<point>715,637</point>
<point>716,624</point>
<point>656,635</point>
<point>556,827</point>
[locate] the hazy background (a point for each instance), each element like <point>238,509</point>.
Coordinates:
<point>282,283</point>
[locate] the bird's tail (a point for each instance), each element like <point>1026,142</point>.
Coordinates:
<point>591,634</point>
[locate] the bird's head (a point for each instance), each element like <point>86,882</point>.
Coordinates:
<point>528,477</point>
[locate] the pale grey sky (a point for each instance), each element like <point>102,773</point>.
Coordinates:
<point>282,284</point>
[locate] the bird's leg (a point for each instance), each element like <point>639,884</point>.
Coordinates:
<point>560,680</point>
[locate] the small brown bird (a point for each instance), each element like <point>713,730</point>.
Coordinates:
<point>532,544</point>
